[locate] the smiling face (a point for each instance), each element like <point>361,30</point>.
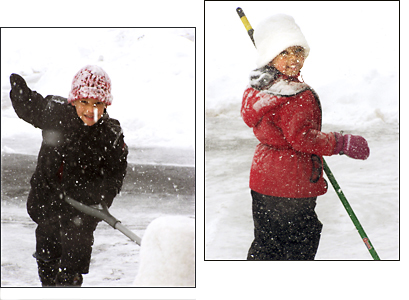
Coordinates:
<point>290,61</point>
<point>89,110</point>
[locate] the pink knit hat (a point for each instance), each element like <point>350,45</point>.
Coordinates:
<point>91,82</point>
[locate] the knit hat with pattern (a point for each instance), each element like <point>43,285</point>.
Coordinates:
<point>91,82</point>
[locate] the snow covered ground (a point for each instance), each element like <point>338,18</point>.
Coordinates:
<point>359,95</point>
<point>153,84</point>
<point>149,192</point>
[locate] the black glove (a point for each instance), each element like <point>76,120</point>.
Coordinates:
<point>19,88</point>
<point>263,78</point>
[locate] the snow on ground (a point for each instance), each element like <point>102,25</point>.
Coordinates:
<point>149,192</point>
<point>153,85</point>
<point>370,186</point>
<point>359,95</point>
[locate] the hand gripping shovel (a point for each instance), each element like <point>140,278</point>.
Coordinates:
<point>328,172</point>
<point>104,215</point>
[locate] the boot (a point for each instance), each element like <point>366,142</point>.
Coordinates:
<point>65,278</point>
<point>47,269</point>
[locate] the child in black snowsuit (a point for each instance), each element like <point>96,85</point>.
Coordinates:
<point>83,155</point>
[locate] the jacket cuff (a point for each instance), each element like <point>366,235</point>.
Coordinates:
<point>339,145</point>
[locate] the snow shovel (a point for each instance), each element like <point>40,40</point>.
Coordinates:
<point>104,215</point>
<point>328,172</point>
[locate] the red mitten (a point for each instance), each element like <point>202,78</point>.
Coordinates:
<point>354,146</point>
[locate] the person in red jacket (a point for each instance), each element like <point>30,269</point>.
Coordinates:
<point>287,170</point>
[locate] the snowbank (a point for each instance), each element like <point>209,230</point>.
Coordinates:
<point>167,255</point>
<point>347,102</point>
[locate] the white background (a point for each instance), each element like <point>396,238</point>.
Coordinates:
<point>223,280</point>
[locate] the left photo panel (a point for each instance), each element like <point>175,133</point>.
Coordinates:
<point>98,158</point>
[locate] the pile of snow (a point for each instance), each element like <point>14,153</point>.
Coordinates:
<point>167,255</point>
<point>152,72</point>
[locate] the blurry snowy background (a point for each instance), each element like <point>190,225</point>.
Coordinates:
<point>152,73</point>
<point>353,65</point>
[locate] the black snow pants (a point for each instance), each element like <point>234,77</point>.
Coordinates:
<point>284,228</point>
<point>63,243</point>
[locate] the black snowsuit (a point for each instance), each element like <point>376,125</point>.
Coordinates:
<point>284,228</point>
<point>86,163</point>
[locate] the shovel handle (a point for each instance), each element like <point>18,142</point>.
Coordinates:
<point>128,233</point>
<point>103,214</point>
<point>246,23</point>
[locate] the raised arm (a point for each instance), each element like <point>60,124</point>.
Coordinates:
<point>32,107</point>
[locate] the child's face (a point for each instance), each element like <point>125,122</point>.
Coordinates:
<point>89,110</point>
<point>290,61</point>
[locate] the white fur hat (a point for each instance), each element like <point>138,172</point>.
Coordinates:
<point>275,34</point>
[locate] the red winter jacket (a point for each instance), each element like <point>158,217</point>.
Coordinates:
<point>286,119</point>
